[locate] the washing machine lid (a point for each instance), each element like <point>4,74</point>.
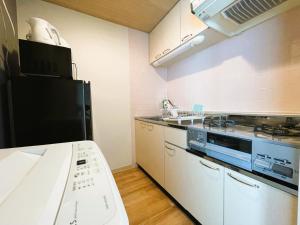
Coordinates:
<point>58,184</point>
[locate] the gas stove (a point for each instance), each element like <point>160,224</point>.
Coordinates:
<point>271,149</point>
<point>218,121</point>
<point>278,131</point>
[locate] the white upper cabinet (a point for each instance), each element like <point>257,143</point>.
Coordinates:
<point>178,27</point>
<point>191,26</point>
<point>170,25</point>
<point>166,35</point>
<point>155,44</point>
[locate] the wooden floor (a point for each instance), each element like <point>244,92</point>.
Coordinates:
<point>145,203</point>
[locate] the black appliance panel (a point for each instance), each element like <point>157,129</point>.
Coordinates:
<point>238,144</point>
<point>41,59</point>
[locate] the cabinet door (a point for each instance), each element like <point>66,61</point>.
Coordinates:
<point>248,202</point>
<point>155,44</point>
<point>175,173</point>
<point>166,35</point>
<point>149,139</point>
<point>170,25</point>
<point>190,24</point>
<point>154,142</point>
<point>140,147</point>
<point>205,182</point>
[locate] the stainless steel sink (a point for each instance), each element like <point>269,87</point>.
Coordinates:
<point>183,123</point>
<point>155,118</point>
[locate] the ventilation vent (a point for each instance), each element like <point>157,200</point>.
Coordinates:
<point>245,10</point>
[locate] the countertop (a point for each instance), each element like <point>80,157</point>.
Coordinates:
<point>159,121</point>
<point>236,131</point>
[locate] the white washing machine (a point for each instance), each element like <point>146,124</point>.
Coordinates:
<point>59,184</point>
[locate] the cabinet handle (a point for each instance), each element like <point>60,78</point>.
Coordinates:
<point>243,182</point>
<point>151,127</point>
<point>210,167</point>
<point>158,56</point>
<point>166,51</point>
<point>173,151</point>
<point>185,37</point>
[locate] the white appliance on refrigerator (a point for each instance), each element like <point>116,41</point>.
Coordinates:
<point>58,184</point>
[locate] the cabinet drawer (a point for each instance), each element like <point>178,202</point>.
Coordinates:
<point>206,186</point>
<point>175,173</point>
<point>248,201</point>
<point>176,137</point>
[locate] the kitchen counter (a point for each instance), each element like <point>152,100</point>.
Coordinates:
<point>237,131</point>
<point>159,121</point>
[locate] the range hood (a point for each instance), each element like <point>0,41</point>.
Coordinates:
<point>232,17</point>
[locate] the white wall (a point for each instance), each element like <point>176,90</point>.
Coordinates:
<point>101,51</point>
<point>257,71</point>
<point>148,85</point>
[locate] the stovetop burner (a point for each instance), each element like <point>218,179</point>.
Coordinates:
<point>285,129</point>
<point>218,121</point>
<point>277,130</point>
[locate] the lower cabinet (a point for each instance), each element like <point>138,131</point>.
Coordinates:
<point>250,202</point>
<point>175,173</point>
<point>214,195</point>
<point>205,190</point>
<point>150,149</point>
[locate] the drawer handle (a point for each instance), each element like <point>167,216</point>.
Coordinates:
<point>243,182</point>
<point>210,167</point>
<point>150,127</point>
<point>166,51</point>
<point>158,56</point>
<point>168,152</point>
<point>186,37</point>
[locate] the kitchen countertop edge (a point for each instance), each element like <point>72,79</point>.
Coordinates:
<point>162,123</point>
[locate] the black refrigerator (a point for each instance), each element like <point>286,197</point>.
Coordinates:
<point>9,62</point>
<point>49,110</point>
